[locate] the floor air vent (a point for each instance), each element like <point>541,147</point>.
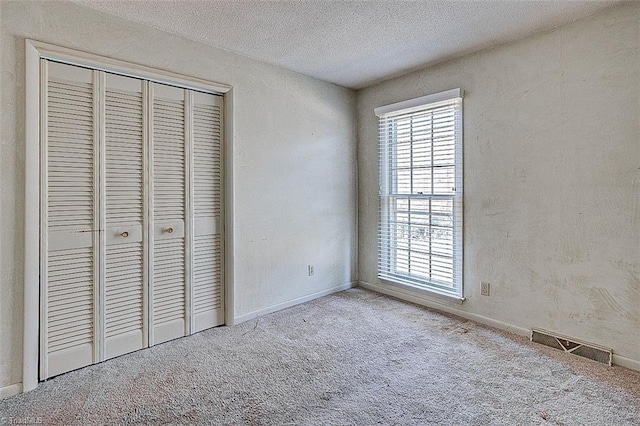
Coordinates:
<point>572,346</point>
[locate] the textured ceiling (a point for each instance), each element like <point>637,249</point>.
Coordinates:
<point>350,43</point>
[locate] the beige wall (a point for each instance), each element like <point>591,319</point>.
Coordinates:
<point>294,175</point>
<point>552,171</point>
<point>551,175</point>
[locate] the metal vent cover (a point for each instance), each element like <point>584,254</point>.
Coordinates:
<point>572,346</point>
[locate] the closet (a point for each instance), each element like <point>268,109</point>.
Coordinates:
<point>131,211</point>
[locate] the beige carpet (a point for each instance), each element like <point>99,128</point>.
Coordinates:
<point>353,358</point>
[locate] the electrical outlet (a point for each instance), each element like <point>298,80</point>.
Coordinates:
<point>485,289</point>
<point>310,270</point>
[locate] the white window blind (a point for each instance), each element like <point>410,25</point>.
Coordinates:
<point>420,233</point>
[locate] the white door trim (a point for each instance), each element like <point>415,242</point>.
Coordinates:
<point>103,63</point>
<point>34,51</point>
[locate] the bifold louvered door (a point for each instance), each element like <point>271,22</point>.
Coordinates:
<point>124,265</point>
<point>207,210</point>
<point>170,194</point>
<point>131,215</point>
<point>69,194</point>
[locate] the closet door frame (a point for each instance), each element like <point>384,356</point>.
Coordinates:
<point>35,51</point>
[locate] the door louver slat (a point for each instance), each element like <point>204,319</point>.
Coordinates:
<point>124,204</point>
<point>169,281</point>
<point>207,274</point>
<point>58,161</point>
<point>127,283</point>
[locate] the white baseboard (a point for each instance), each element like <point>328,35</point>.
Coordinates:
<point>421,300</point>
<point>436,304</point>
<point>11,390</point>
<point>270,309</point>
<point>625,362</point>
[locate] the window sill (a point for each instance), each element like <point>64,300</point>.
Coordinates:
<point>424,292</point>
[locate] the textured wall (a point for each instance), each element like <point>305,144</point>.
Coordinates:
<point>294,160</point>
<point>552,177</point>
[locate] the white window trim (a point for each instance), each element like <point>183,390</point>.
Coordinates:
<point>34,52</point>
<point>417,103</point>
<point>409,106</point>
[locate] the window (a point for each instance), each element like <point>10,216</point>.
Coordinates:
<point>420,234</point>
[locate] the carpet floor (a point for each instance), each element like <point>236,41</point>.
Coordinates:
<point>352,358</point>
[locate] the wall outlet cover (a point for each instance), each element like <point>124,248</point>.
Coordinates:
<point>485,289</point>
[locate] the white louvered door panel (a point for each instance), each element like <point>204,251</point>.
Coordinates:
<point>69,220</point>
<point>169,200</point>
<point>124,315</point>
<point>207,289</point>
<point>131,232</point>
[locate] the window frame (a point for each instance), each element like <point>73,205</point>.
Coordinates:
<point>388,146</point>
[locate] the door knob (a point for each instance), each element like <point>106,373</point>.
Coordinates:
<point>125,234</point>
<point>169,230</point>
